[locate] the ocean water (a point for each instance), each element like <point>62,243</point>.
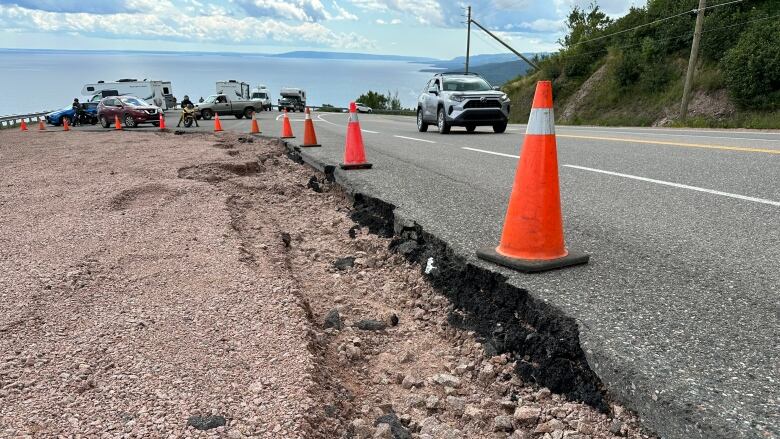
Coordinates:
<point>33,80</point>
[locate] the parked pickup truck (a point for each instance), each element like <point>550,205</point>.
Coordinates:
<point>223,105</point>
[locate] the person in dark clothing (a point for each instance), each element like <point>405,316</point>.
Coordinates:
<point>77,112</point>
<point>185,103</point>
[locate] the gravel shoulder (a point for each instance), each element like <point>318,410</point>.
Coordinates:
<point>154,285</point>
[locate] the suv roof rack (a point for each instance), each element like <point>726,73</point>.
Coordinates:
<point>459,73</point>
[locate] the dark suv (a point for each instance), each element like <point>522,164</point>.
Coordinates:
<point>130,109</point>
<point>461,99</point>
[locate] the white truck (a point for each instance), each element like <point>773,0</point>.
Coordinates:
<point>159,93</point>
<point>262,95</point>
<point>236,90</point>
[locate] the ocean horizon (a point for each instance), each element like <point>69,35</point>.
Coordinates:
<point>35,80</point>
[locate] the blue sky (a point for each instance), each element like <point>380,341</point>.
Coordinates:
<point>431,28</point>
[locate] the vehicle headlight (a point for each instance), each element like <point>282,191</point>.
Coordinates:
<point>504,98</point>
<point>457,98</point>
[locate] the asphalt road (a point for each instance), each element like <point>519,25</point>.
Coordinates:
<point>679,307</point>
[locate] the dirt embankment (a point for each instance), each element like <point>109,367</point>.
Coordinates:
<point>154,285</point>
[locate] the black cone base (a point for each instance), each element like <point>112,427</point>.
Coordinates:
<point>355,165</point>
<point>533,265</point>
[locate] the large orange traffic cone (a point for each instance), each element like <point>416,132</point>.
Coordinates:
<point>287,132</point>
<point>532,239</point>
<point>309,136</point>
<point>41,125</point>
<point>65,124</point>
<point>24,125</point>
<point>217,123</point>
<point>255,127</point>
<point>162,121</point>
<point>117,123</point>
<point>354,151</point>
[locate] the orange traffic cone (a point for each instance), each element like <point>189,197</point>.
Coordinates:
<point>65,124</point>
<point>217,123</point>
<point>354,151</point>
<point>24,125</point>
<point>532,239</point>
<point>117,123</point>
<point>309,136</point>
<point>255,127</point>
<point>287,132</point>
<point>41,125</point>
<point>162,121</point>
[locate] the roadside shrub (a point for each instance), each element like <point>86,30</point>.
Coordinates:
<point>751,69</point>
<point>627,68</point>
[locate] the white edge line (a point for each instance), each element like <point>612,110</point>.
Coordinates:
<point>414,138</point>
<point>678,185</point>
<point>369,131</point>
<point>634,133</point>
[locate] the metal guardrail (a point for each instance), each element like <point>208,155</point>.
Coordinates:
<point>16,119</point>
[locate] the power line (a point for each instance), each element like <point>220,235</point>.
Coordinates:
<point>660,20</point>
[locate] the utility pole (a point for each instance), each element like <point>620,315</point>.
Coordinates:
<point>692,59</point>
<point>468,40</point>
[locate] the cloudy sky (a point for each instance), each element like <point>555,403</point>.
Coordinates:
<point>404,27</point>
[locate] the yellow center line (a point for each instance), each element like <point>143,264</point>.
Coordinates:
<point>690,145</point>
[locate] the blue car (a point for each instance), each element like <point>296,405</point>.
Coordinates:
<point>90,111</point>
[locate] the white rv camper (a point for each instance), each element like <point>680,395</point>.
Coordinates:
<point>159,93</point>
<point>237,90</point>
<point>263,95</point>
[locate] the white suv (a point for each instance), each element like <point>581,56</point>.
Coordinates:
<point>461,99</point>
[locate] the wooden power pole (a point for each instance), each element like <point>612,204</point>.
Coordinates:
<point>692,59</point>
<point>468,40</point>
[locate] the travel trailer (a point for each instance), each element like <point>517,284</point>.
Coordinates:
<point>237,90</point>
<point>159,93</point>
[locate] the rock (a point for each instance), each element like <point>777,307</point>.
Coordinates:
<point>333,320</point>
<point>410,381</point>
<point>383,431</point>
<point>616,428</point>
<point>179,132</point>
<point>370,325</point>
<point>206,422</point>
<point>406,357</point>
<point>585,427</point>
<point>393,319</point>
<point>447,380</point>
<point>456,404</point>
<point>418,313</point>
<point>472,412</point>
<point>557,434</point>
<point>344,263</point>
<point>286,239</point>
<point>487,373</point>
<point>520,434</point>
<point>314,184</point>
<point>432,402</point>
<point>549,426</point>
<point>397,429</point>
<point>527,415</point>
<point>543,394</point>
<point>415,401</point>
<point>361,428</point>
<point>353,352</point>
<point>502,423</point>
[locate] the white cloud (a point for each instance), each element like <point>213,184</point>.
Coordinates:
<point>176,26</point>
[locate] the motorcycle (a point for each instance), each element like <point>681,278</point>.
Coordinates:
<point>188,115</point>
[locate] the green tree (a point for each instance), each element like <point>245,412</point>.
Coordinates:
<point>752,67</point>
<point>374,100</point>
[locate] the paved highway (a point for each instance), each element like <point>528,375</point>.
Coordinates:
<point>679,308</point>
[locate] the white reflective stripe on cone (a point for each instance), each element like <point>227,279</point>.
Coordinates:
<point>353,117</point>
<point>542,121</point>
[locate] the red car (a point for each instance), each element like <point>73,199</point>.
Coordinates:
<point>130,109</point>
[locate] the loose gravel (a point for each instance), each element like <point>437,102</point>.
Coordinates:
<point>154,285</point>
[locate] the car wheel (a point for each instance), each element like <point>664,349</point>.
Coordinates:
<point>239,116</point>
<point>471,128</point>
<point>444,127</point>
<point>499,127</point>
<point>207,114</point>
<point>129,121</point>
<point>421,125</point>
<point>249,112</point>
<point>104,122</point>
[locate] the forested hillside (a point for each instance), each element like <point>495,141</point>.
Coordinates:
<point>630,71</point>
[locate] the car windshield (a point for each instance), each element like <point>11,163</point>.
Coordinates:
<point>211,99</point>
<point>466,84</point>
<point>134,102</point>
<point>259,96</point>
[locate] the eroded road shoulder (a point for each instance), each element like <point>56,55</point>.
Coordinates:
<point>155,285</point>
